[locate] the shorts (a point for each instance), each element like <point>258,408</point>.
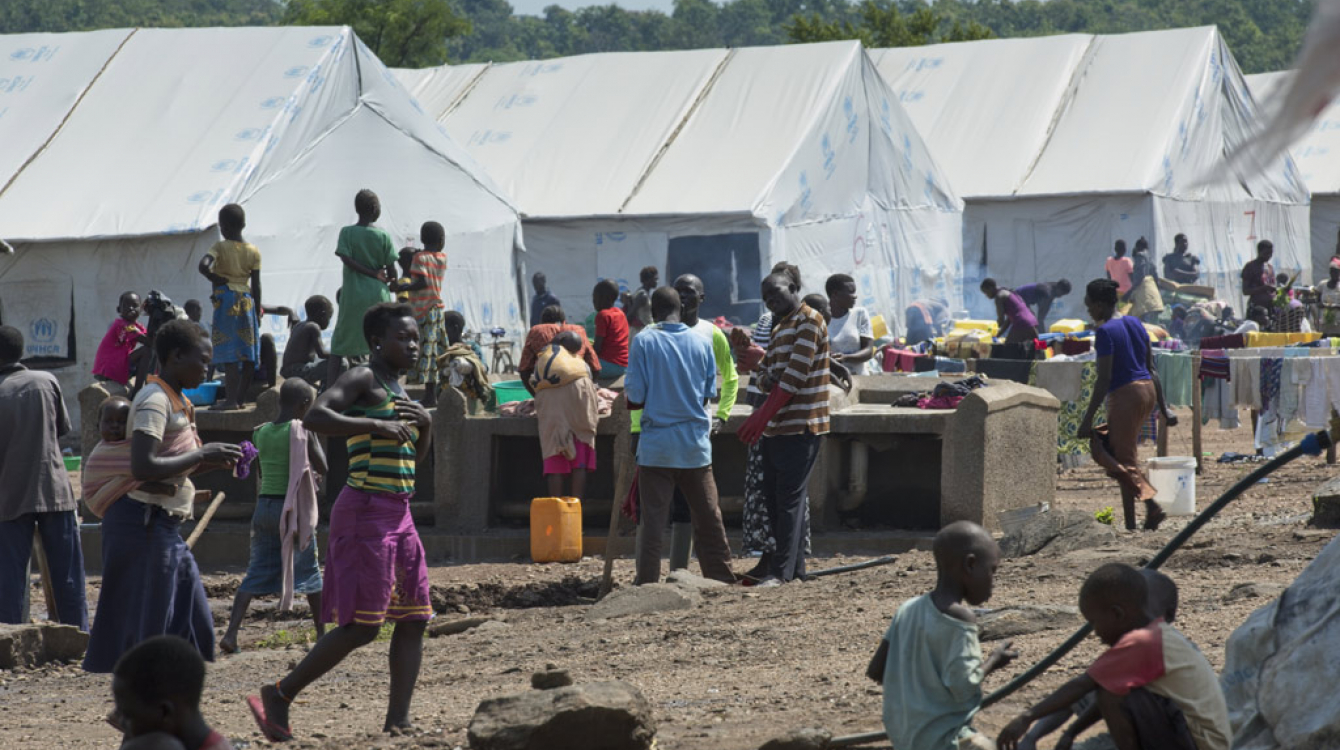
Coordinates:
<point>265,571</point>
<point>584,458</point>
<point>313,372</point>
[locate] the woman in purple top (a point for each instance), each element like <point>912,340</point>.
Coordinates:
<point>1012,312</point>
<point>1040,296</point>
<point>1132,390</point>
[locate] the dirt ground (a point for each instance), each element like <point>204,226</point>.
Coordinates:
<point>730,674</point>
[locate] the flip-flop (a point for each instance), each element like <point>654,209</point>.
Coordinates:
<point>273,732</point>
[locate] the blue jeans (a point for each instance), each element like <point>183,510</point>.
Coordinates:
<point>610,371</point>
<point>65,558</point>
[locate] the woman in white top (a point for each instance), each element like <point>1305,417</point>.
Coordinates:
<point>851,338</point>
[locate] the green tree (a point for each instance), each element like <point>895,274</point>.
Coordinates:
<point>403,33</point>
<point>883,25</point>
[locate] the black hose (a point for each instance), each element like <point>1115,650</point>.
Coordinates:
<point>878,561</point>
<point>1311,445</point>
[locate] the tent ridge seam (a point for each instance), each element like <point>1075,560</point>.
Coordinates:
<point>253,189</point>
<point>505,200</point>
<point>464,92</point>
<point>68,114</point>
<point>674,134</point>
<point>242,183</point>
<point>816,121</point>
<point>1086,60</point>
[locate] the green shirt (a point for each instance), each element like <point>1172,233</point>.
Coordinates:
<point>272,445</point>
<point>932,678</point>
<point>371,247</point>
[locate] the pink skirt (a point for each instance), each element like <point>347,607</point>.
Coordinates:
<point>375,565</point>
<point>584,458</point>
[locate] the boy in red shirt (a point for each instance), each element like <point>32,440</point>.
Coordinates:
<point>1156,691</point>
<point>611,341</point>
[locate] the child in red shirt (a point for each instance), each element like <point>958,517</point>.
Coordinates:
<point>112,360</point>
<point>611,341</point>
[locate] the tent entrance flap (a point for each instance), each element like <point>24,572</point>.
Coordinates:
<point>730,267</point>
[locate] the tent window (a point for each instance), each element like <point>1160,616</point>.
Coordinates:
<point>729,266</point>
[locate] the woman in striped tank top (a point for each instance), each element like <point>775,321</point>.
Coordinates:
<point>375,565</point>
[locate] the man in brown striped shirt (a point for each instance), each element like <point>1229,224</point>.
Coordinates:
<point>794,374</point>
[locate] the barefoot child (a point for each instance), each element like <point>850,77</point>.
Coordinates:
<point>1155,690</point>
<point>157,687</point>
<point>367,254</point>
<point>233,266</point>
<point>427,271</point>
<point>375,566</point>
<point>150,582</point>
<point>1162,603</point>
<point>305,356</point>
<point>112,362</point>
<point>283,491</point>
<point>930,661</point>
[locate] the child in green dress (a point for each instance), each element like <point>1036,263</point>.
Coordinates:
<point>369,259</point>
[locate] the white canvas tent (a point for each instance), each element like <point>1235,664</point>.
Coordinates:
<point>713,162</point>
<point>121,146</point>
<point>1062,145</point>
<point>1318,158</point>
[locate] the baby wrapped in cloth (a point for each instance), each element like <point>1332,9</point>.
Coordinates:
<point>566,406</point>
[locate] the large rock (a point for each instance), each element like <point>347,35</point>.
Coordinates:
<point>644,600</point>
<point>1010,622</point>
<point>1281,662</point>
<point>34,645</point>
<point>598,716</point>
<point>1056,532</point>
<point>1326,505</point>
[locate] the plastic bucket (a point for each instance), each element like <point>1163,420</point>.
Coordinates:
<point>1174,479</point>
<point>509,391</point>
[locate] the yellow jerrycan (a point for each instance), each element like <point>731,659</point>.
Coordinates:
<point>555,529</point>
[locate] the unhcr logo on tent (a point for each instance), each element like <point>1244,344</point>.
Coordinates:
<point>298,71</point>
<point>853,125</point>
<point>321,41</point>
<point>43,330</point>
<point>14,85</point>
<point>33,54</point>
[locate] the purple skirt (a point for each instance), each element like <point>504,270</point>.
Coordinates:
<point>375,565</point>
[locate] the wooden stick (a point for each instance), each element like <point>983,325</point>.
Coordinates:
<point>204,520</point>
<point>624,465</point>
<point>1196,407</point>
<point>41,554</point>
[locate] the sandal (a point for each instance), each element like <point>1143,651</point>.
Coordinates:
<point>272,732</point>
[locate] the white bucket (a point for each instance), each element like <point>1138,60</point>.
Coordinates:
<point>1174,479</point>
